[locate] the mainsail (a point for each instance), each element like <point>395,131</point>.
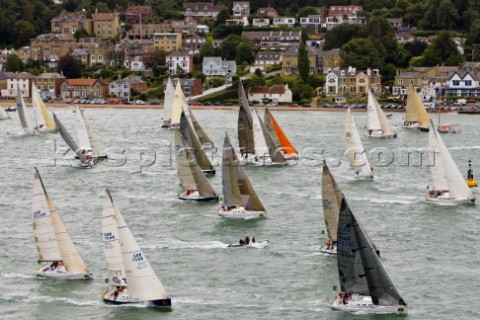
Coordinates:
<point>385,125</point>
<point>143,283</point>
<point>111,244</point>
<point>453,178</point>
<point>68,138</point>
<point>168,101</point>
<point>245,124</point>
<point>22,113</point>
<point>355,151</point>
<point>237,189</point>
<point>278,135</point>
<point>43,118</point>
<point>192,140</point>
<point>377,120</point>
<point>191,176</point>
<point>83,140</point>
<point>414,110</point>
<point>272,148</point>
<point>359,268</point>
<point>97,147</point>
<point>177,105</point>
<point>46,218</point>
<point>331,201</point>
<point>202,136</point>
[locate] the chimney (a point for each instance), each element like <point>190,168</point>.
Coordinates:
<point>369,72</point>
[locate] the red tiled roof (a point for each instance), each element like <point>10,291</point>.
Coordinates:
<point>84,82</point>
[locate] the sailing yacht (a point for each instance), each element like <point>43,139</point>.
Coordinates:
<point>240,201</point>
<point>378,124</point>
<point>131,278</point>
<point>254,148</point>
<point>193,142</point>
<point>355,151</point>
<point>279,137</point>
<point>195,186</point>
<point>331,200</point>
<point>416,117</point>
<point>87,148</point>
<point>447,184</point>
<point>25,120</point>
<point>168,103</point>
<point>365,285</point>
<point>43,120</point>
<point>52,240</point>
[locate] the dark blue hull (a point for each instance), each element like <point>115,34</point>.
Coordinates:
<point>160,303</point>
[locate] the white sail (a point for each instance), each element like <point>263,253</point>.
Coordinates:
<point>65,247</point>
<point>177,106</point>
<point>456,184</point>
<point>97,147</point>
<point>3,114</point>
<point>168,101</point>
<point>37,112</point>
<point>372,115</point>
<point>437,171</point>
<point>111,244</point>
<point>143,283</point>
<point>261,148</point>
<point>83,140</point>
<point>22,113</point>
<point>355,151</point>
<point>43,230</point>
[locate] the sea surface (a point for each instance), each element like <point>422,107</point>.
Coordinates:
<point>431,252</point>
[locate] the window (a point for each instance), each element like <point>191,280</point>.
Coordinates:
<point>468,83</point>
<point>456,82</point>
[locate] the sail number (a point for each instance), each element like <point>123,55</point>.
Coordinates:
<point>326,203</point>
<point>38,214</point>
<point>141,262</point>
<point>108,236</point>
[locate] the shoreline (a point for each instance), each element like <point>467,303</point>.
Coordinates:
<point>160,107</point>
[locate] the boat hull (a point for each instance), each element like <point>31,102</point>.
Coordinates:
<point>329,250</point>
<point>423,129</point>
<point>447,200</point>
<point>257,245</point>
<point>363,177</point>
<point>260,161</point>
<point>209,172</point>
<point>160,303</point>
<point>382,136</point>
<point>63,275</point>
<point>240,213</point>
<point>363,304</point>
<point>195,196</point>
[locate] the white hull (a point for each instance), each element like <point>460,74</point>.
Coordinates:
<point>257,245</point>
<point>363,177</point>
<point>61,274</point>
<point>125,298</point>
<point>381,135</point>
<point>174,127</point>
<point>195,196</point>
<point>329,250</point>
<point>363,304</point>
<point>410,125</point>
<point>446,199</point>
<point>260,161</point>
<point>46,130</point>
<point>240,213</point>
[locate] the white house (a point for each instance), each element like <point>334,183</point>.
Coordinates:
<point>277,93</point>
<point>122,87</point>
<point>136,64</point>
<point>241,9</point>
<point>216,67</point>
<point>463,84</point>
<point>313,23</point>
<point>266,59</point>
<point>23,81</point>
<point>201,28</point>
<point>288,22</point>
<point>343,14</point>
<point>258,23</point>
<point>176,60</point>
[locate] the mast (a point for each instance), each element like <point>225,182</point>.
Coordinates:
<point>191,138</point>
<point>97,146</point>
<point>245,124</point>
<point>331,201</point>
<point>355,151</point>
<point>440,96</point>
<point>68,138</point>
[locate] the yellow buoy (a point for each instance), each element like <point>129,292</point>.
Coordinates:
<point>470,181</point>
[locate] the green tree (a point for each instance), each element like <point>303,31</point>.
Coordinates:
<point>207,50</point>
<point>70,67</point>
<point>447,15</point>
<point>306,11</point>
<point>416,47</point>
<point>81,33</point>
<point>362,54</point>
<point>245,52</point>
<point>14,64</point>
<point>430,14</point>
<point>442,50</point>
<point>229,45</point>
<point>157,57</point>
<point>303,63</point>
<point>414,14</point>
<point>222,17</point>
<point>340,35</point>
<point>22,32</point>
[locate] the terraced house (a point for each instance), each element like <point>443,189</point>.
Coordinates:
<point>83,88</point>
<point>106,25</point>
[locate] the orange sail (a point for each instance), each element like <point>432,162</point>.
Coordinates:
<point>286,145</point>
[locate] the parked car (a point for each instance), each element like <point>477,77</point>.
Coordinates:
<point>272,104</point>
<point>140,102</point>
<point>293,105</point>
<point>217,103</point>
<point>68,101</point>
<point>195,103</point>
<point>306,105</point>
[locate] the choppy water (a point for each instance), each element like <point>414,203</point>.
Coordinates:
<point>430,252</point>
